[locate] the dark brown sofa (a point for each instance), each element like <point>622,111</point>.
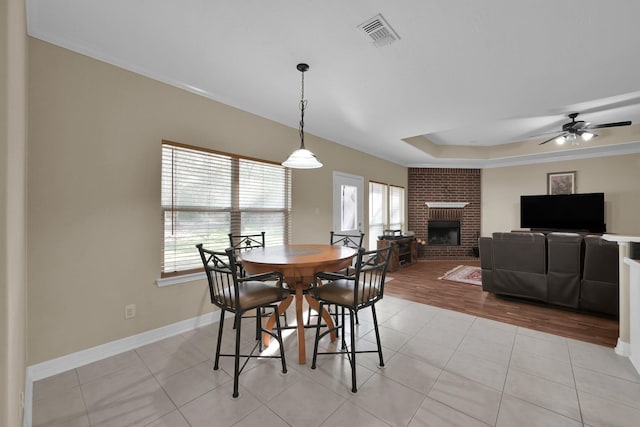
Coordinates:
<point>600,280</point>
<point>562,269</point>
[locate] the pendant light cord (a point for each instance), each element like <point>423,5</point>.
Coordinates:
<point>303,105</point>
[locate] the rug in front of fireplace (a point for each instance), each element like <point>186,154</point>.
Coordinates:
<point>464,274</point>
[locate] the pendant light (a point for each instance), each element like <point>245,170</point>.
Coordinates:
<point>302,158</point>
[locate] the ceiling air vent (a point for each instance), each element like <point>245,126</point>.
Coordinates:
<point>379,30</point>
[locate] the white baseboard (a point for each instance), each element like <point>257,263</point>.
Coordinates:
<point>75,360</point>
<point>623,348</point>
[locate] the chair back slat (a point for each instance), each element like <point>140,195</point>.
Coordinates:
<point>242,243</point>
<point>371,270</point>
<point>222,277</point>
<point>245,242</point>
<point>351,240</point>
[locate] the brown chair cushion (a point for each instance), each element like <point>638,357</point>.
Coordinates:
<point>341,292</point>
<point>254,294</point>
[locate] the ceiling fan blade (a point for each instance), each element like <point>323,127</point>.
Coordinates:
<point>538,135</point>
<point>551,139</point>
<point>610,125</point>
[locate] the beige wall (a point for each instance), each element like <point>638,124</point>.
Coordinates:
<point>13,139</point>
<point>618,177</point>
<point>94,221</point>
<point>94,194</point>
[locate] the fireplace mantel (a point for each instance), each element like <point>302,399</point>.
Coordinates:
<point>454,205</point>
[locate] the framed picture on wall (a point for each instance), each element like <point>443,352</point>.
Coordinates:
<point>561,182</point>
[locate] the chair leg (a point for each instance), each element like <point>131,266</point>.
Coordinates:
<point>344,343</point>
<point>220,326</point>
<point>315,344</point>
<point>236,367</point>
<point>280,342</point>
<point>375,326</point>
<point>335,314</point>
<point>259,312</point>
<point>354,388</point>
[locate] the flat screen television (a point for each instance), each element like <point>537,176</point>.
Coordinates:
<point>563,212</point>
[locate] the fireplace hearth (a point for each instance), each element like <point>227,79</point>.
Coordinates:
<point>443,233</point>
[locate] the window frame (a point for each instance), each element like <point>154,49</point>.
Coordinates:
<point>386,209</point>
<point>234,210</point>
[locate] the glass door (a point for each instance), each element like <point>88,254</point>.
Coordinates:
<point>348,203</point>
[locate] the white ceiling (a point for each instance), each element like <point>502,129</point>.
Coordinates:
<point>464,73</point>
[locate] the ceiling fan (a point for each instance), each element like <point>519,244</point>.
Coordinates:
<point>574,129</point>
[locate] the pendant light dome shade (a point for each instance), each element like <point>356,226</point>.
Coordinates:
<point>302,158</point>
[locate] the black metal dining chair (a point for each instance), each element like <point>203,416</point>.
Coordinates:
<point>237,295</point>
<point>352,292</point>
<point>352,241</point>
<point>245,242</point>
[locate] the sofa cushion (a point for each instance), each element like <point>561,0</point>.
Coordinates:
<point>520,265</point>
<point>564,267</point>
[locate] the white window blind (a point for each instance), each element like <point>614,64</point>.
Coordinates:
<point>377,211</point>
<point>396,208</point>
<point>386,210</point>
<point>206,195</point>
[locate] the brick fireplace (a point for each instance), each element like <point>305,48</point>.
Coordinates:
<point>450,226</point>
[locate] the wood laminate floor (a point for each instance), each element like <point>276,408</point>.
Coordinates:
<point>419,283</point>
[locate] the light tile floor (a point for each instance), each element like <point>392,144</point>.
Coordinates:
<point>443,368</point>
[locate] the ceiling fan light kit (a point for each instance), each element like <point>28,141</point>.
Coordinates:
<point>585,136</point>
<point>573,129</point>
<point>588,136</point>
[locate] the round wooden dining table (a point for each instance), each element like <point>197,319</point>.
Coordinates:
<point>298,263</point>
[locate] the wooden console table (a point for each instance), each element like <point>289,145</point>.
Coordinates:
<point>405,251</point>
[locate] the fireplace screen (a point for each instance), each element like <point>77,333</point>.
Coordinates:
<point>443,233</point>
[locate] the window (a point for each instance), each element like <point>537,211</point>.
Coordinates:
<point>386,210</point>
<point>377,211</point>
<point>396,208</point>
<point>206,195</point>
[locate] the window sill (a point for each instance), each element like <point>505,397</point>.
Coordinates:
<point>176,280</point>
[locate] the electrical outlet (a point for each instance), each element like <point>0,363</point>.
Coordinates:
<point>129,311</point>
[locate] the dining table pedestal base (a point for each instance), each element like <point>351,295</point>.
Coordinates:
<point>298,263</point>
<point>299,297</point>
